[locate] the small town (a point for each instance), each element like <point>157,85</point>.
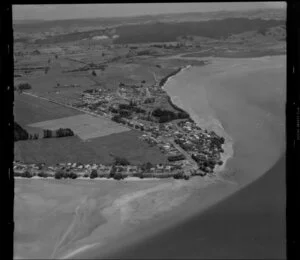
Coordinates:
<point>190,150</point>
<point>176,135</point>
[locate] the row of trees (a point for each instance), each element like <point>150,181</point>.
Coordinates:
<point>19,133</point>
<point>22,134</point>
<point>61,132</point>
<point>22,86</point>
<point>167,115</point>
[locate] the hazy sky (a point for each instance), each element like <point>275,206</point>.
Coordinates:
<point>53,12</point>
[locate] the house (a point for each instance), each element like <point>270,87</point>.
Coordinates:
<point>152,169</point>
<point>49,172</point>
<point>159,167</point>
<point>80,173</point>
<point>168,168</point>
<point>132,169</point>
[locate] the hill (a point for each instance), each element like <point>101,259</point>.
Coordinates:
<point>169,32</point>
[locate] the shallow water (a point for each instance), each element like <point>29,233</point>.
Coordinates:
<point>247,97</point>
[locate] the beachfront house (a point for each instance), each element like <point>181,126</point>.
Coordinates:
<point>132,169</point>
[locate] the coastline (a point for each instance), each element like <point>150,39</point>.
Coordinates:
<point>214,123</point>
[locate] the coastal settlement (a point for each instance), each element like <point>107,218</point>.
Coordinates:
<point>190,149</point>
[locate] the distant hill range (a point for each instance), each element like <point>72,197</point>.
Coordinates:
<point>169,32</point>
<point>71,25</point>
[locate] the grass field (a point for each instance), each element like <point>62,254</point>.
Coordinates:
<point>85,126</point>
<point>97,150</point>
<point>28,110</point>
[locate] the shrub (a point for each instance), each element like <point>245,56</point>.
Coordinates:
<point>118,176</point>
<point>27,174</point>
<point>17,174</point>
<point>94,174</point>
<point>24,86</point>
<point>63,132</point>
<point>121,161</point>
<point>20,133</point>
<point>94,73</point>
<point>73,175</point>
<point>118,119</point>
<point>59,174</point>
<point>47,133</point>
<point>42,175</point>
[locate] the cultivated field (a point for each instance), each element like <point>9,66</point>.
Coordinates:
<point>28,110</point>
<point>85,126</point>
<point>97,150</point>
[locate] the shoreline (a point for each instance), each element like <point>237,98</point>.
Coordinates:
<point>78,251</point>
<point>214,122</point>
<point>89,179</point>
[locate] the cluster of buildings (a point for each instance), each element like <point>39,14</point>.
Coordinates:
<point>181,139</point>
<point>95,170</point>
<point>204,147</point>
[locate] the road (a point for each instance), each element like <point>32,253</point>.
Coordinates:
<point>188,157</point>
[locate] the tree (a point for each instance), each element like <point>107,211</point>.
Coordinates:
<point>112,171</point>
<point>46,70</point>
<point>72,175</point>
<point>94,174</point>
<point>121,161</point>
<point>24,86</point>
<point>62,132</point>
<point>118,176</point>
<point>146,166</point>
<point>59,174</point>
<point>19,133</point>
<point>117,118</point>
<point>42,175</point>
<point>47,133</point>
<point>27,174</point>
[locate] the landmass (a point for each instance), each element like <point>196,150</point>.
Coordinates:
<point>100,146</point>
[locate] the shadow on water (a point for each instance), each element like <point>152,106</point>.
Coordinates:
<point>249,224</point>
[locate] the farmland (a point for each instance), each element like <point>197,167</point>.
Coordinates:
<point>96,150</point>
<point>85,126</point>
<point>28,110</point>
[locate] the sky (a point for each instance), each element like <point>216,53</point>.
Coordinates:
<point>75,11</point>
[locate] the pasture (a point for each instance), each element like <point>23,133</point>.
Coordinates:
<point>97,150</point>
<point>28,110</point>
<point>85,126</point>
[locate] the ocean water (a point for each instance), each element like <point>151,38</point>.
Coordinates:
<point>246,98</point>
